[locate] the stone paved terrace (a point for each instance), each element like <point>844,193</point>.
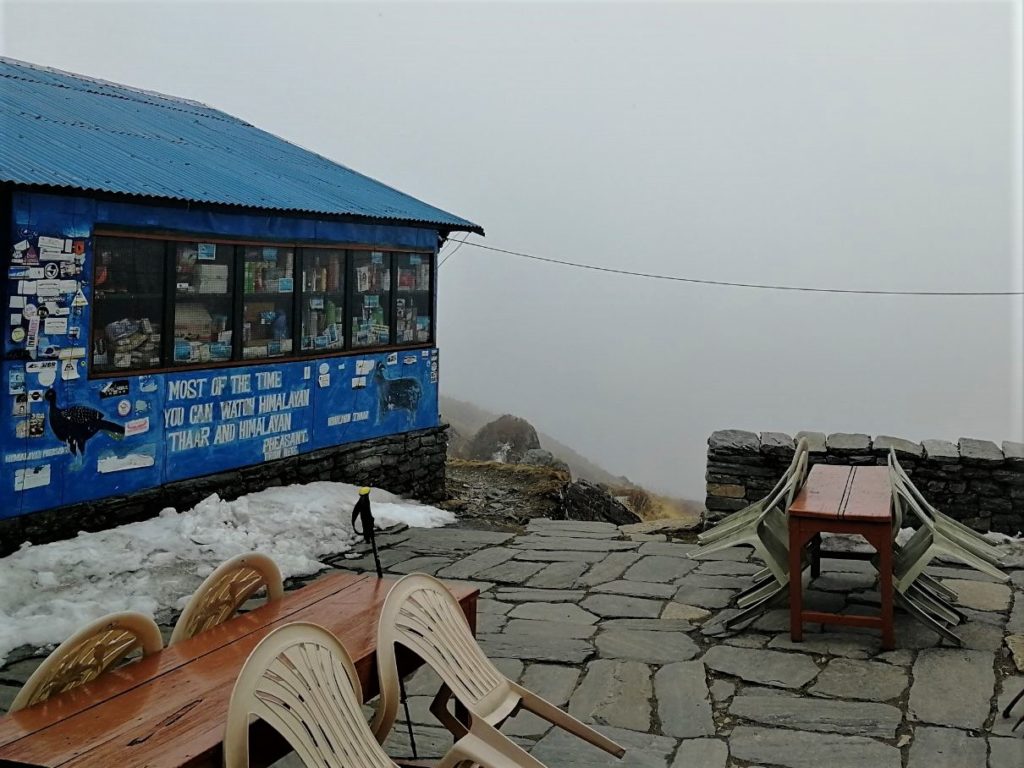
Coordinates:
<point>623,630</point>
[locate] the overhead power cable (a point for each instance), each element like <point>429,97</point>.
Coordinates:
<point>450,253</point>
<point>727,283</point>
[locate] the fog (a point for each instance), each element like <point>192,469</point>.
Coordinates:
<point>855,146</point>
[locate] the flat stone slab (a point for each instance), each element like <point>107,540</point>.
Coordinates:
<point>674,610</point>
<point>945,748</point>
<point>1015,644</point>
<point>979,451</point>
<point>511,572</point>
<point>781,670</point>
<point>610,568</point>
<point>622,606</point>
<point>952,687</point>
<point>883,443</point>
<point>426,564</point>
<point>849,645</point>
<point>637,589</point>
<point>561,575</point>
<point>559,629</point>
<point>684,702</point>
<point>649,646</point>
<point>559,749</point>
<point>701,753</point>
<point>980,595</point>
<point>553,612</point>
<point>650,625</point>
<point>941,450</point>
<point>727,568</point>
<point>614,693</point>
<point>661,569</point>
<point>1001,725</point>
<point>518,595</point>
<point>428,541</point>
<point>555,555</point>
<point>539,541</point>
<point>734,441</point>
<point>866,680</point>
<point>806,714</point>
<point>470,566</point>
<point>667,525</point>
<point>848,442</point>
<point>800,749</point>
<point>536,647</point>
<point>593,526</point>
<point>1005,753</point>
<point>667,548</point>
<point>704,597</point>
<point>553,682</point>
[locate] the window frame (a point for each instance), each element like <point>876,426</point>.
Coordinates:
<point>297,354</point>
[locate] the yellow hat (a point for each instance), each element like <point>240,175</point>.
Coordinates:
<point>364,491</point>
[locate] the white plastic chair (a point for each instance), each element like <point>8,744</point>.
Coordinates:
<point>748,515</point>
<point>224,591</point>
<point>421,615</point>
<point>88,653</point>
<point>301,681</point>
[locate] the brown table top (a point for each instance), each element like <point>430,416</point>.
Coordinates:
<point>845,493</point>
<point>169,709</point>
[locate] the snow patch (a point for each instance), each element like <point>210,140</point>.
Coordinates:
<point>153,566</point>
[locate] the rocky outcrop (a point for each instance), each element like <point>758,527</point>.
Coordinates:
<point>585,501</point>
<point>506,439</point>
<point>538,457</point>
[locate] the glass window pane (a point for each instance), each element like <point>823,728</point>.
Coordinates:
<point>203,302</point>
<point>371,311</point>
<point>323,299</point>
<point>413,305</point>
<point>267,302</point>
<point>128,302</point>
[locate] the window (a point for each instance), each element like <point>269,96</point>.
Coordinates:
<point>267,302</point>
<point>203,303</point>
<point>128,302</point>
<point>323,299</point>
<point>371,293</point>
<point>413,302</point>
<point>179,302</point>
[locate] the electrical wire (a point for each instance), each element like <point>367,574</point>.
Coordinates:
<point>450,253</point>
<point>729,284</point>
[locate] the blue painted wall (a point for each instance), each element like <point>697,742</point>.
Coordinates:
<point>65,438</point>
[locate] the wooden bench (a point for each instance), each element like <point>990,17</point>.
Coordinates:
<point>842,499</point>
<point>169,709</point>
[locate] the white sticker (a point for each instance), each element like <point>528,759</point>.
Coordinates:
<point>135,426</point>
<point>71,353</point>
<point>17,302</point>
<point>53,243</point>
<point>68,286</point>
<point>307,371</point>
<point>27,287</point>
<point>31,477</point>
<point>324,380</point>
<point>359,382</point>
<point>109,464</point>
<point>38,366</point>
<point>22,246</point>
<point>69,370</point>
<point>364,367</point>
<point>51,271</point>
<point>124,407</point>
<point>57,326</point>
<point>48,287</point>
<point>392,358</point>
<point>29,310</point>
<point>79,300</point>
<point>324,368</point>
<point>16,319</point>
<point>32,341</point>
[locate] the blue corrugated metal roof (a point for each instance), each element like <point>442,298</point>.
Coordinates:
<point>65,130</point>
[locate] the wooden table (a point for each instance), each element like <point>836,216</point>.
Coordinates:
<point>841,499</point>
<point>169,709</point>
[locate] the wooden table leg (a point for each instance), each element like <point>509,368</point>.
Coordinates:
<point>883,544</point>
<point>816,556</point>
<point>796,598</point>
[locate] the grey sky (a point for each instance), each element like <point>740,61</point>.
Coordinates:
<point>860,145</point>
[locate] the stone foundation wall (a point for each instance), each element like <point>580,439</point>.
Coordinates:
<point>411,464</point>
<point>976,481</point>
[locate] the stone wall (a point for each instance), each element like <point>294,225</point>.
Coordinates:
<point>976,481</point>
<point>411,464</point>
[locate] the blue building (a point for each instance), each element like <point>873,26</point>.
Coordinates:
<point>188,296</point>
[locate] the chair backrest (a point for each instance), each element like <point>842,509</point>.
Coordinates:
<point>301,681</point>
<point>88,653</point>
<point>420,614</point>
<point>225,590</point>
<point>905,496</point>
<point>781,497</point>
<point>799,459</point>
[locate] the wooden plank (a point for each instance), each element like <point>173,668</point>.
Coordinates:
<point>823,492</point>
<point>115,682</point>
<point>178,718</point>
<point>870,496</point>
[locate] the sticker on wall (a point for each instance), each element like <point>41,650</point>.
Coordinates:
<point>135,426</point>
<point>392,358</point>
<point>35,396</point>
<point>324,380</point>
<point>45,370</point>
<point>51,271</point>
<point>307,371</point>
<point>425,353</point>
<point>17,302</point>
<point>48,288</point>
<point>55,326</point>
<point>29,310</point>
<point>115,388</point>
<point>32,339</point>
<point>15,382</point>
<point>79,300</point>
<point>148,384</point>
<point>16,319</point>
<point>31,477</point>
<point>409,360</point>
<point>206,252</point>
<point>51,243</point>
<point>113,463</point>
<point>359,382</point>
<point>20,405</point>
<point>18,335</point>
<point>364,367</point>
<point>123,409</point>
<point>69,371</point>
<point>31,426</point>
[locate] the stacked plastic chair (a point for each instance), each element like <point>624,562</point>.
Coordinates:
<point>301,681</point>
<point>939,535</point>
<point>764,526</point>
